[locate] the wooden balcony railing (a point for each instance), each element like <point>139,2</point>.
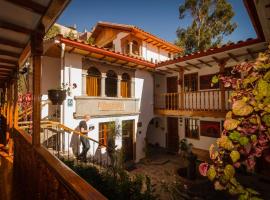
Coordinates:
<point>206,100</point>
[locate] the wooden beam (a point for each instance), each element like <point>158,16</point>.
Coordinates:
<point>232,56</point>
<point>173,69</point>
<point>71,50</point>
<point>251,53</point>
<point>11,43</point>
<point>8,61</point>
<point>102,58</point>
<point>6,69</point>
<point>15,28</point>
<point>203,62</point>
<point>193,65</point>
<point>114,61</point>
<point>164,71</point>
<point>30,5</point>
<point>9,53</point>
<point>7,66</point>
<point>186,68</point>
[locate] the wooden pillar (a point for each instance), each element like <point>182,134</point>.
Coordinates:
<point>119,79</point>
<point>37,51</point>
<point>103,84</point>
<point>181,83</point>
<point>15,102</point>
<point>222,64</point>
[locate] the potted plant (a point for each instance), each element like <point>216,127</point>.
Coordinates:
<point>57,96</point>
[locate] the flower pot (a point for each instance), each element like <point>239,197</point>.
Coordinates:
<point>57,96</point>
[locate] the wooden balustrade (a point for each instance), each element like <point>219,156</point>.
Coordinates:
<point>204,100</point>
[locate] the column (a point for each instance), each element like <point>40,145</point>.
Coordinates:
<point>119,79</point>
<point>84,92</point>
<point>37,51</point>
<point>103,85</point>
<point>181,83</point>
<point>132,88</point>
<point>222,89</point>
<point>130,47</point>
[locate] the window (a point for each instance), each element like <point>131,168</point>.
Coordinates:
<point>93,82</point>
<point>106,129</point>
<point>125,85</point>
<point>111,84</point>
<point>191,82</point>
<point>135,48</point>
<point>191,128</point>
<point>169,55</point>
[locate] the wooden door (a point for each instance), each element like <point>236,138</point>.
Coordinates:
<point>172,87</point>
<point>128,140</point>
<point>172,136</point>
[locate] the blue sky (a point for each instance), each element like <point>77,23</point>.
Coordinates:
<point>160,17</point>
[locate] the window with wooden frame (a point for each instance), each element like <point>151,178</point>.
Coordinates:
<point>191,128</point>
<point>135,48</point>
<point>111,84</point>
<point>125,86</point>
<point>191,82</point>
<point>93,82</point>
<point>105,129</point>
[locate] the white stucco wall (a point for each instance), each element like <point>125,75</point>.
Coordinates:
<point>150,51</point>
<point>117,41</point>
<point>156,133</point>
<point>144,91</point>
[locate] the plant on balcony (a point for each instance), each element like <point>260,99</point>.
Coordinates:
<point>57,96</point>
<point>246,135</point>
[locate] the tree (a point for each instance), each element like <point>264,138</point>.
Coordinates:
<point>52,32</point>
<point>245,138</point>
<point>211,21</point>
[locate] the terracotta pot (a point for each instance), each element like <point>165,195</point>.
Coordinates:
<point>57,96</point>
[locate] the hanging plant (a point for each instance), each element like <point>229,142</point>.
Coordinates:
<point>246,135</point>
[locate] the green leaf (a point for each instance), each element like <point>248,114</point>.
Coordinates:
<point>251,191</point>
<point>230,124</point>
<point>211,173</point>
<point>235,135</point>
<point>244,141</point>
<point>235,156</point>
<point>215,79</point>
<point>241,108</point>
<point>266,119</point>
<point>253,138</point>
<point>263,88</point>
<point>229,171</point>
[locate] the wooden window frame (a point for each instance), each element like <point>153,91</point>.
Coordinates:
<point>188,85</point>
<point>189,128</point>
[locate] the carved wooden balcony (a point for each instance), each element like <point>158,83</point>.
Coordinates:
<point>206,103</point>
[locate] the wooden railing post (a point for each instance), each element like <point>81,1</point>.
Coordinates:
<point>37,51</point>
<point>222,89</point>
<point>181,83</point>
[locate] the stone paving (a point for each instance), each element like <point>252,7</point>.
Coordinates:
<point>162,168</point>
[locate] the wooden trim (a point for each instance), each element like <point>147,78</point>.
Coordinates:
<point>9,53</point>
<point>16,28</point>
<point>11,43</point>
<point>166,112</point>
<point>203,62</point>
<point>30,5</point>
<point>8,61</point>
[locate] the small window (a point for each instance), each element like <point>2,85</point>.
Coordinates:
<point>111,84</point>
<point>93,82</point>
<point>169,55</point>
<point>135,48</point>
<point>191,128</point>
<point>125,86</point>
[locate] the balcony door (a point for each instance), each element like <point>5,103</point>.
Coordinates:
<point>172,88</point>
<point>172,137</point>
<point>128,144</point>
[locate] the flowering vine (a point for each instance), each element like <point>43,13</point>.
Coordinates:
<point>246,135</point>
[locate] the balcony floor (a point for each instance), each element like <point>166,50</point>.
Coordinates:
<point>8,188</point>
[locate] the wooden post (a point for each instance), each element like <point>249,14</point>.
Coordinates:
<point>37,51</point>
<point>222,64</point>
<point>181,83</point>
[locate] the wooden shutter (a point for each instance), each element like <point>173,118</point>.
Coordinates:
<point>125,89</point>
<point>103,132</point>
<point>92,86</point>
